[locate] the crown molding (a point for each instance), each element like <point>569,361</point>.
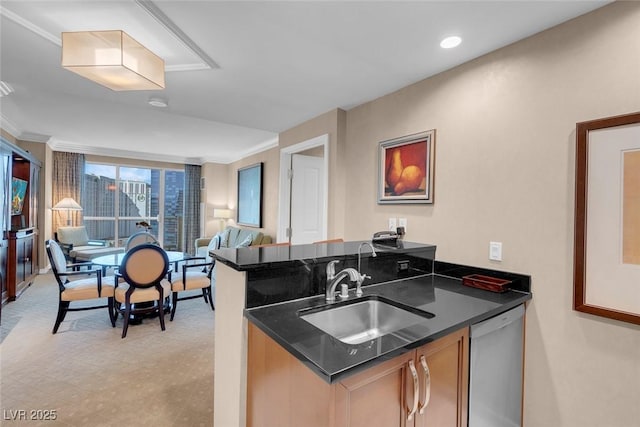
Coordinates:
<point>266,145</point>
<point>9,126</point>
<point>60,145</point>
<point>30,26</point>
<point>34,137</point>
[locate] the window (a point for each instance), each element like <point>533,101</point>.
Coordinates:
<point>117,198</point>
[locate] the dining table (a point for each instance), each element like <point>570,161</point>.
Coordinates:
<point>114,260</point>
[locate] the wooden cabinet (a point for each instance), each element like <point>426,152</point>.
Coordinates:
<point>377,396</point>
<point>282,391</point>
<point>19,183</point>
<point>21,262</point>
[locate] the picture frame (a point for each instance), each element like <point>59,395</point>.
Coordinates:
<point>406,169</point>
<point>18,193</point>
<point>607,213</point>
<point>249,212</point>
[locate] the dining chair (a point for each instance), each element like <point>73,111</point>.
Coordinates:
<point>196,273</point>
<point>141,285</point>
<point>139,238</point>
<point>88,287</point>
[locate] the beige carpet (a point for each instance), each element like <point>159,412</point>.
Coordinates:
<point>90,376</point>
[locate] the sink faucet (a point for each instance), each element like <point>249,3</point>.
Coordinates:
<point>363,276</point>
<point>373,253</point>
<point>334,279</point>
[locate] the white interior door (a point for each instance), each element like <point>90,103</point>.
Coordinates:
<point>307,197</point>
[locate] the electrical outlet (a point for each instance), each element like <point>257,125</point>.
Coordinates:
<point>402,222</point>
<point>402,266</point>
<point>392,224</point>
<point>495,251</point>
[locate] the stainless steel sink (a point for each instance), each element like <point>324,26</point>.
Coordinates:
<point>363,321</point>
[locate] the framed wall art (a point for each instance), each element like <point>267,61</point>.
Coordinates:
<point>607,218</point>
<point>406,167</point>
<point>250,196</point>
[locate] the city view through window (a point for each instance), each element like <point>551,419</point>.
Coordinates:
<point>116,199</point>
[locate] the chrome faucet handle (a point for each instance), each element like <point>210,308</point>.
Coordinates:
<point>331,269</point>
<point>359,284</point>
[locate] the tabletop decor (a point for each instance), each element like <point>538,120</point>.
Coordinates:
<point>250,196</point>
<point>405,169</point>
<point>607,218</point>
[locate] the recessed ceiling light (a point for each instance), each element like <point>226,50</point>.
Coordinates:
<point>450,42</point>
<point>158,102</point>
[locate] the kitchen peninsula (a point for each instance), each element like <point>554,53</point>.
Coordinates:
<point>273,286</point>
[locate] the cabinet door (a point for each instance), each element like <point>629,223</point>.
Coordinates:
<point>443,366</point>
<point>29,261</point>
<point>21,256</point>
<point>378,397</point>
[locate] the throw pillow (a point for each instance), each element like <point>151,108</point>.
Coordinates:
<point>224,238</point>
<point>214,243</point>
<point>246,242</point>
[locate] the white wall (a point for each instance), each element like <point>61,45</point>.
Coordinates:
<point>505,141</point>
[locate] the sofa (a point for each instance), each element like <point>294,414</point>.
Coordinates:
<point>230,237</point>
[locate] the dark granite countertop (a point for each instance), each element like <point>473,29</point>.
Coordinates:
<point>252,258</point>
<point>452,305</point>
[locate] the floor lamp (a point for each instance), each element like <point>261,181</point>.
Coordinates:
<point>67,204</point>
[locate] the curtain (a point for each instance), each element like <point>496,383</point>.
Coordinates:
<point>191,207</point>
<point>68,181</point>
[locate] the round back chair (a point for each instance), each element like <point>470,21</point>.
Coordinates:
<point>141,286</point>
<point>139,238</point>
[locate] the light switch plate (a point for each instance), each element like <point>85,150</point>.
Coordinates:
<point>393,224</point>
<point>495,251</point>
<point>402,222</point>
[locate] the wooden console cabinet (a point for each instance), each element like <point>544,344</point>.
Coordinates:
<point>282,391</point>
<point>22,265</point>
<point>19,220</point>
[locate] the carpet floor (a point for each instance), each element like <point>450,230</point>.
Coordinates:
<point>86,375</point>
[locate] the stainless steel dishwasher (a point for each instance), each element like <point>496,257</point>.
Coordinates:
<point>495,373</point>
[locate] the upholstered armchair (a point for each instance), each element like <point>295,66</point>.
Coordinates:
<point>77,247</point>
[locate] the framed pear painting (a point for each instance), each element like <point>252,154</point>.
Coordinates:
<point>405,169</point>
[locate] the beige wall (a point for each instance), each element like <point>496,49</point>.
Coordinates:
<point>505,138</point>
<point>270,188</point>
<point>215,194</point>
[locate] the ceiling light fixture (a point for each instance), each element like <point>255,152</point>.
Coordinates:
<point>5,89</point>
<point>450,42</point>
<point>113,59</point>
<point>158,102</point>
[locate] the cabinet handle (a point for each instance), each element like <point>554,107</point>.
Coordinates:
<point>427,383</point>
<point>416,391</point>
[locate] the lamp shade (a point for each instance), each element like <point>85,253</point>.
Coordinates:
<point>113,59</point>
<point>222,213</point>
<point>67,204</point>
